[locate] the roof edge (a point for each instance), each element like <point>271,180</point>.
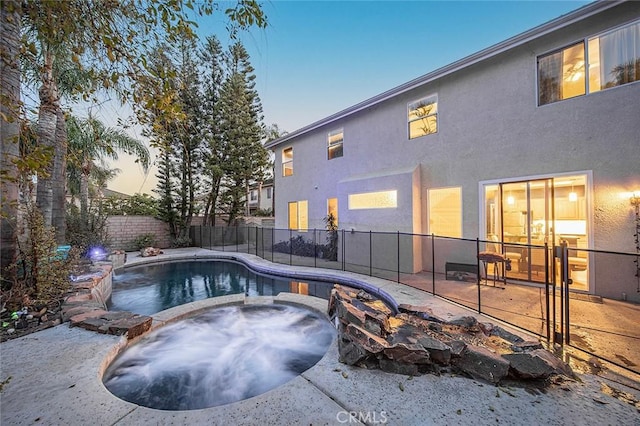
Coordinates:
<point>562,21</point>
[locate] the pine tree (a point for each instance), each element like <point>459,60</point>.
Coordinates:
<point>242,131</point>
<point>211,57</point>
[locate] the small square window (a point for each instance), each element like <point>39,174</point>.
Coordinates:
<point>422,116</point>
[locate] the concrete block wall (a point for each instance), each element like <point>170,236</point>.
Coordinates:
<point>123,230</point>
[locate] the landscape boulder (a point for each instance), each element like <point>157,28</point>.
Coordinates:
<point>415,341</point>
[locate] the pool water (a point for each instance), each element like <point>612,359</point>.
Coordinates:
<point>148,289</point>
<point>225,355</point>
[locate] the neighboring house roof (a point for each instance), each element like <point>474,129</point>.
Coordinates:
<point>111,193</point>
<point>513,42</point>
<point>265,184</point>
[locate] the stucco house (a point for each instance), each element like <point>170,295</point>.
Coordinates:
<point>535,139</point>
<point>261,196</point>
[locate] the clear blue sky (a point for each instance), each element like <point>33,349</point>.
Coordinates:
<point>319,57</point>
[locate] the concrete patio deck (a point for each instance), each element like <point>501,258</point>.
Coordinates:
<point>53,377</point>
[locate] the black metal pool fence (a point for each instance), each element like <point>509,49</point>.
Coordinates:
<point>588,299</point>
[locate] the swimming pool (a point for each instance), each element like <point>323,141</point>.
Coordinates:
<point>148,289</point>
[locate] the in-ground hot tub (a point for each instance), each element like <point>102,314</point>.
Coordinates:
<point>224,355</point>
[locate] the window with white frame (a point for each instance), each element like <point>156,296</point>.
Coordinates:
<point>614,57</point>
<point>606,60</point>
<point>269,192</point>
<point>334,144</point>
<point>298,215</point>
<point>287,162</point>
<point>561,74</point>
<point>254,195</point>
<point>422,116</point>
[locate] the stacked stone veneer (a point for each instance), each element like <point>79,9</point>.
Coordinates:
<point>86,304</point>
<point>416,342</point>
<point>123,230</point>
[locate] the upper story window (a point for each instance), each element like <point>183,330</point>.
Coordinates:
<point>561,74</point>
<point>287,162</point>
<point>422,116</point>
<point>269,192</point>
<point>612,59</point>
<point>334,143</point>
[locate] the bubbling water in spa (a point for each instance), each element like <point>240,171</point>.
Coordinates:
<point>222,356</point>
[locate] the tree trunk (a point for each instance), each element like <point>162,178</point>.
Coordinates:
<point>247,199</point>
<point>47,123</point>
<point>9,132</point>
<point>84,193</point>
<point>59,179</point>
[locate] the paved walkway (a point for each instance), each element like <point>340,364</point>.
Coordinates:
<point>53,378</point>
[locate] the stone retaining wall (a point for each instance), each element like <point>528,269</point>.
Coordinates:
<point>86,305</point>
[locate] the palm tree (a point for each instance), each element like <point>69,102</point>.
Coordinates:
<point>9,130</point>
<point>90,141</point>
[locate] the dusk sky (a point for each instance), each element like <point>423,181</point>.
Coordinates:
<point>319,57</point>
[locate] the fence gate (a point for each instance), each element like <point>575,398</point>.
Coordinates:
<point>560,294</point>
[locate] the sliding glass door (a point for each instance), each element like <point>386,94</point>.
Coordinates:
<point>524,215</point>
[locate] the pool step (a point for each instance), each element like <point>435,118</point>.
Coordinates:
<point>258,300</point>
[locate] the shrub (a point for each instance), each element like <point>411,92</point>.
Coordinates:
<point>298,246</point>
<point>136,205</point>
<point>144,240</point>
<point>181,242</point>
<point>86,232</point>
<point>42,274</point>
<point>263,213</point>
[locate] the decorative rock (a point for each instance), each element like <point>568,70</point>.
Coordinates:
<point>368,341</point>
<point>537,364</point>
<point>480,363</point>
<point>423,312</point>
<point>457,348</point>
<point>350,353</point>
<point>438,351</point>
<point>132,327</point>
<point>525,346</point>
<point>150,251</point>
<point>364,296</point>
<point>349,314</point>
<point>414,342</point>
<point>468,322</point>
<point>76,319</point>
<point>408,354</point>
<point>501,332</point>
<point>390,366</point>
<point>79,297</point>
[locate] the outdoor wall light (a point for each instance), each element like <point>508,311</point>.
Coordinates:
<point>635,198</point>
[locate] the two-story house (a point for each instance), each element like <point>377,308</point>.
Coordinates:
<point>535,139</point>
